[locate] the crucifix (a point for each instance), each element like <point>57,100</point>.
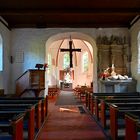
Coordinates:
<point>70,50</point>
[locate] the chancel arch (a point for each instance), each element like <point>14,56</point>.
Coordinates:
<point>62,39</point>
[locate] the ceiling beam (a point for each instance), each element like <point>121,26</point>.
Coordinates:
<point>117,11</point>
<point>69,25</point>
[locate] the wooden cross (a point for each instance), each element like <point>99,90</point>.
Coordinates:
<point>70,50</point>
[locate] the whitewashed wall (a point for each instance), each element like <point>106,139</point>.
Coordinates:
<point>134,31</point>
<point>5,74</point>
<point>28,47</point>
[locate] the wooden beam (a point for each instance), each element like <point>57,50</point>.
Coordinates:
<point>97,12</point>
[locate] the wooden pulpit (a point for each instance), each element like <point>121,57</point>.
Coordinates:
<point>31,80</point>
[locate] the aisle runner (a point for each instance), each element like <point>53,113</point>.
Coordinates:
<point>67,98</point>
<point>65,123</point>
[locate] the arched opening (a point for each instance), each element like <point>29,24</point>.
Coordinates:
<point>86,43</point>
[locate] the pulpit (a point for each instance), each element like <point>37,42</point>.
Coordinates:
<point>32,79</point>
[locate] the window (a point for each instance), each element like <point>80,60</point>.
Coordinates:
<point>49,63</point>
<point>1,54</point>
<point>66,61</point>
<point>85,62</point>
<point>139,53</point>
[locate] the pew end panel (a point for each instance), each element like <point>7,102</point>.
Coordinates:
<point>14,124</point>
<point>113,122</point>
<point>131,127</point>
<point>103,112</point>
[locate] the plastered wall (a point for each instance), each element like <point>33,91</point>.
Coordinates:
<point>28,47</point>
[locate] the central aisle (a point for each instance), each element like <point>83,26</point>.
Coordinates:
<point>68,123</point>
<point>67,98</point>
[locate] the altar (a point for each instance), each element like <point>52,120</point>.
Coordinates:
<point>66,79</point>
<point>109,86</point>
<point>66,86</point>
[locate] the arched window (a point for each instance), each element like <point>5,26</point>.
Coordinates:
<point>49,62</point>
<point>66,61</point>
<point>1,54</point>
<point>85,62</point>
<point>138,53</point>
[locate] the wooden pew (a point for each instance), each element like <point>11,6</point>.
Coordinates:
<point>91,100</point>
<point>82,92</point>
<point>39,115</point>
<point>20,103</point>
<point>14,125</point>
<point>77,91</point>
<point>113,95</point>
<point>37,110</point>
<point>104,109</point>
<point>132,125</point>
<point>29,111</point>
<point>116,99</point>
<point>53,91</point>
<point>44,101</point>
<point>115,114</point>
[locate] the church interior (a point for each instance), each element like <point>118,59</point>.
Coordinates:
<point>70,70</point>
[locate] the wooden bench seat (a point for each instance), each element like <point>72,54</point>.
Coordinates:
<point>115,94</point>
<point>100,104</point>
<point>44,101</point>
<point>104,111</point>
<point>82,91</point>
<point>37,108</point>
<point>29,111</point>
<point>40,109</point>
<point>97,102</point>
<point>34,108</point>
<point>117,113</point>
<point>53,91</point>
<point>132,129</point>
<point>12,122</point>
<point>92,96</point>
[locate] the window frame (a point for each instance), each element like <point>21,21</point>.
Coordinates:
<point>85,55</point>
<point>49,60</point>
<point>67,66</point>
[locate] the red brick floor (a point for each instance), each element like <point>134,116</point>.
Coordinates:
<point>69,125</point>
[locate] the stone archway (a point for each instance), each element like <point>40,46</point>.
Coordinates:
<point>81,36</point>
